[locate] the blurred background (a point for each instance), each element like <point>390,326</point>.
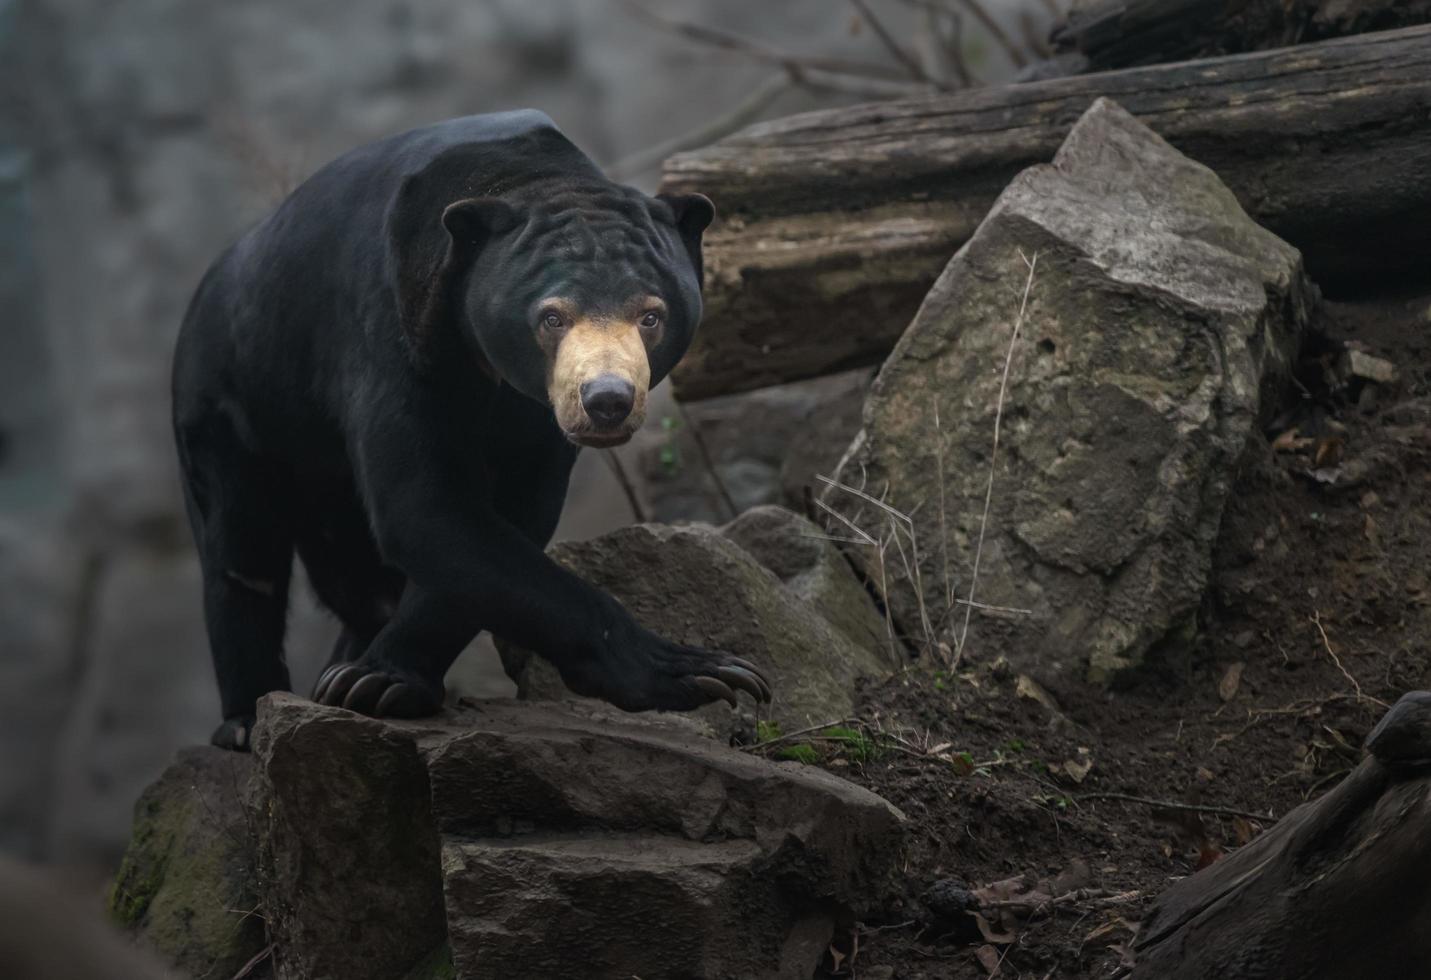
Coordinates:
<point>138,137</point>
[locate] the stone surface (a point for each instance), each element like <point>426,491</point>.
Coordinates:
<point>1159,325</point>
<point>187,887</point>
<point>508,839</point>
<point>692,585</point>
<point>347,848</point>
<point>799,554</point>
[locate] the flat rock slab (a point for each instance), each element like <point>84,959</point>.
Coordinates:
<point>515,839</point>
<point>694,584</point>
<point>1160,323</point>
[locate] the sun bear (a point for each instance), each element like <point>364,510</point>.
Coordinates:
<point>392,375</point>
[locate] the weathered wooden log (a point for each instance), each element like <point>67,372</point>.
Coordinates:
<point>1336,889</point>
<point>835,223</point>
<point>1113,34</point>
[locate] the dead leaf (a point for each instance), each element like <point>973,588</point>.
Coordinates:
<point>1329,452</point>
<point>1290,441</point>
<point>1075,876</point>
<point>1204,775</point>
<point>1077,769</point>
<point>1207,854</point>
<point>1001,936</point>
<point>1107,932</point>
<point>1231,680</point>
<point>1243,830</point>
<point>989,959</point>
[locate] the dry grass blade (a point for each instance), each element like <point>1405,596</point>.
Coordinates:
<point>859,532</point>
<point>994,455</point>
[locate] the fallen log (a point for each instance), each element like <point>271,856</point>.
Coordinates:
<point>1121,33</point>
<point>835,223</point>
<point>1336,889</point>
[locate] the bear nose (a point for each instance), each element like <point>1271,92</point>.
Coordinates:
<point>608,400</point>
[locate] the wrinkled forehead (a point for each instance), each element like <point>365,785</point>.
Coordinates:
<point>601,253</point>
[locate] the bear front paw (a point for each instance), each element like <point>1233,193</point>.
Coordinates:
<point>377,691</point>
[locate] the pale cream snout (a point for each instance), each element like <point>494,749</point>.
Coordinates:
<point>598,382</point>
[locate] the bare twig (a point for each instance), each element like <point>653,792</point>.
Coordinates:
<point>1082,897</point>
<point>758,50</point>
<point>1226,811</point>
<point>706,459</point>
<point>855,528</point>
<point>891,45</point>
<point>943,528</point>
<point>994,457</point>
<point>618,470</point>
<point>740,115</point>
<point>982,15</point>
<point>1356,688</point>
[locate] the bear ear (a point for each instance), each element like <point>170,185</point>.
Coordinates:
<point>431,243</point>
<point>693,213</point>
<point>478,219</point>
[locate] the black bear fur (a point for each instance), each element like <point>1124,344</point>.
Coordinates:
<point>359,379</point>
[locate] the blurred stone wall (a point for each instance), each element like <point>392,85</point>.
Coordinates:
<point>137,138</point>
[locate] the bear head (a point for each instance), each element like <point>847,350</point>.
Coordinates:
<point>583,297</point>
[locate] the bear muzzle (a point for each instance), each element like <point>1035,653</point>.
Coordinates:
<point>599,377</point>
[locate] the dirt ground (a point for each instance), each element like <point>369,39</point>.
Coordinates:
<point>1319,613</point>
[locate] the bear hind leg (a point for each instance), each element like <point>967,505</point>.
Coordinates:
<point>237,508</point>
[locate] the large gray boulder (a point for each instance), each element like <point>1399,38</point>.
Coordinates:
<point>505,839</point>
<point>694,585</point>
<point>1160,324</point>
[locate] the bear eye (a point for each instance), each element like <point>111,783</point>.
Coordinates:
<point>551,319</point>
<point>651,319</point>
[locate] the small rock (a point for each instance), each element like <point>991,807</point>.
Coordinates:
<point>797,551</point>
<point>1368,367</point>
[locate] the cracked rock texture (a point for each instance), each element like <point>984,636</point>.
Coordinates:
<point>503,839</point>
<point>1159,320</point>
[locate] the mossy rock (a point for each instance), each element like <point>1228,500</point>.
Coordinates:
<point>187,887</point>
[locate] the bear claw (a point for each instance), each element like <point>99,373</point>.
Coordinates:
<point>745,678</point>
<point>715,689</point>
<point>376,693</point>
